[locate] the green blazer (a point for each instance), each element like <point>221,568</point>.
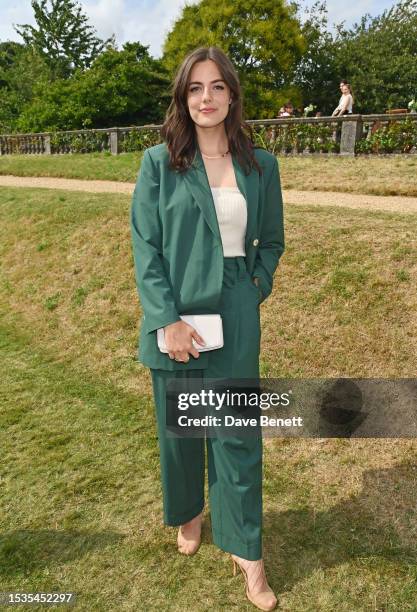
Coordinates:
<point>177,247</point>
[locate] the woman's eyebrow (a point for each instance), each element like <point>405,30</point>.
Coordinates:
<point>200,83</point>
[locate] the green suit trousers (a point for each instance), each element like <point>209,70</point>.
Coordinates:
<point>234,463</point>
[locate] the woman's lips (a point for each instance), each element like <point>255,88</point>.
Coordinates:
<point>211,110</point>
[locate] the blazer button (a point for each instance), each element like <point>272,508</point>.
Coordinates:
<point>255,242</point>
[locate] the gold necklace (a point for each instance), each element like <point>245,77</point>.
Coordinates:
<point>215,156</point>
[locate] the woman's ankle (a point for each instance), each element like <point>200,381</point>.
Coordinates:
<point>195,519</point>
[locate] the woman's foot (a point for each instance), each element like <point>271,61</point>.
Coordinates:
<point>258,590</point>
<point>189,535</point>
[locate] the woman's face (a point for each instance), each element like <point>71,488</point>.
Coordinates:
<point>207,90</point>
<point>345,89</point>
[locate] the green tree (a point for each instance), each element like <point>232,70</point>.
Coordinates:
<point>121,88</point>
<point>9,51</point>
<point>316,74</point>
<point>21,70</point>
<point>63,36</point>
<point>379,57</point>
<point>262,38</point>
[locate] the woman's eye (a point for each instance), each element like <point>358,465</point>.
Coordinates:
<point>195,87</point>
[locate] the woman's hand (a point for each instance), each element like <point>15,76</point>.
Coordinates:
<point>178,340</point>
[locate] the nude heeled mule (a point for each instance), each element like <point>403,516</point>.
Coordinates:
<point>265,600</point>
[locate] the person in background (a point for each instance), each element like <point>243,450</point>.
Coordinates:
<point>287,110</point>
<point>346,100</point>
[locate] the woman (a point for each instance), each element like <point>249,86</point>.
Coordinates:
<point>207,232</point>
<point>346,101</point>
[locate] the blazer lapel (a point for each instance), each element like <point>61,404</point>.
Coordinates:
<point>196,180</point>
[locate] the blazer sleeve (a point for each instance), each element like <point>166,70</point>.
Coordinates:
<point>153,287</point>
<point>271,240</point>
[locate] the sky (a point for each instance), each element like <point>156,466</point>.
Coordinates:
<point>148,21</point>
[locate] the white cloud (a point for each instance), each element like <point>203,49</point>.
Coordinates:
<point>16,12</point>
<point>150,26</point>
<point>351,12</point>
<point>107,17</point>
<point>145,21</point>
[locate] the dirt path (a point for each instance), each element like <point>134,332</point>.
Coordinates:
<point>327,198</point>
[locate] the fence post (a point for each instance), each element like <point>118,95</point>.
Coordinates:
<point>351,133</point>
<point>114,141</point>
<point>47,145</point>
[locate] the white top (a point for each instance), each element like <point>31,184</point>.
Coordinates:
<point>232,217</point>
<point>343,99</point>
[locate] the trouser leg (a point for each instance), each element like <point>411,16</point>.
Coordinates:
<point>182,463</point>
<point>235,463</point>
<point>235,490</point>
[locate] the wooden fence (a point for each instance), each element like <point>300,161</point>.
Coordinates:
<point>298,135</point>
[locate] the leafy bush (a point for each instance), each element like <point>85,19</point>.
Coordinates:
<point>85,142</point>
<point>137,140</point>
<point>396,136</point>
<point>298,138</point>
<point>92,141</point>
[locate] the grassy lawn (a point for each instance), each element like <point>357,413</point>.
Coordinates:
<point>81,506</point>
<point>385,175</point>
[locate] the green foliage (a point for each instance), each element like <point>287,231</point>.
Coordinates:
<point>21,69</point>
<point>263,39</point>
<point>316,74</point>
<point>140,140</point>
<point>393,137</point>
<point>298,138</point>
<point>90,141</point>
<point>63,36</point>
<point>65,78</point>
<point>378,56</point>
<point>120,89</point>
<point>9,51</point>
<point>86,142</point>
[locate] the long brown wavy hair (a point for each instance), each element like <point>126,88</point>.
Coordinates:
<point>178,129</point>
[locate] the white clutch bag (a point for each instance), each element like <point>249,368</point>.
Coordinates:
<point>209,326</point>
